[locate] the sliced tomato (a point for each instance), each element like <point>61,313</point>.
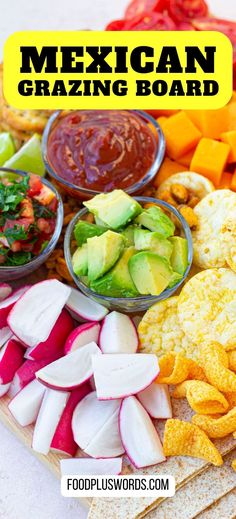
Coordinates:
<point>35,185</point>
<point>184,10</point>
<point>137,7</point>
<point>185,26</point>
<point>20,222</point>
<point>116,25</point>
<point>226,27</point>
<point>150,22</point>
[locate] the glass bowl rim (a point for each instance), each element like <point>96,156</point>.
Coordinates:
<point>58,227</point>
<point>141,298</point>
<point>154,168</point>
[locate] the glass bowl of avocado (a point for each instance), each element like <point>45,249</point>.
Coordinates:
<point>128,253</point>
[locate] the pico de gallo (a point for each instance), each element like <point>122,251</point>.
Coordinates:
<point>28,210</point>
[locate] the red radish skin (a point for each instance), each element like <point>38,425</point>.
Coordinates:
<point>5,335</point>
<point>26,404</point>
<point>7,304</point>
<point>4,388</point>
<point>156,400</point>
<point>54,345</point>
<point>5,291</point>
<point>83,308</point>
<point>53,405</point>
<point>123,374</point>
<point>95,427</point>
<point>26,373</point>
<point>91,466</point>
<point>70,371</point>
<point>82,335</point>
<point>63,441</point>
<point>11,358</point>
<point>118,334</point>
<point>138,434</point>
<point>34,315</point>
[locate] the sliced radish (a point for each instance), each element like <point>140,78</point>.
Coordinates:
<point>118,334</point>
<point>53,405</point>
<point>121,375</point>
<point>26,404</point>
<point>83,308</point>
<point>11,358</point>
<point>4,388</point>
<point>91,466</point>
<point>5,291</point>
<point>82,335</point>
<point>71,370</point>
<point>7,304</point>
<point>54,345</point>
<point>138,434</point>
<point>156,400</point>
<point>95,427</point>
<point>63,440</point>
<point>5,335</point>
<point>26,373</point>
<point>33,316</point>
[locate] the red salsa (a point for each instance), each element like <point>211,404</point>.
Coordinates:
<point>101,150</point>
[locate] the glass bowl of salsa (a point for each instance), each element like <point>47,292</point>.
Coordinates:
<point>31,218</point>
<point>139,303</point>
<point>95,151</point>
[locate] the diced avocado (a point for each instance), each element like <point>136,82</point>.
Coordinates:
<point>156,220</point>
<point>103,252</point>
<point>99,222</point>
<point>84,230</point>
<point>175,278</point>
<point>147,240</point>
<point>151,273</point>
<point>115,209</point>
<point>128,234</point>
<point>80,260</point>
<point>117,282</point>
<point>179,256</point>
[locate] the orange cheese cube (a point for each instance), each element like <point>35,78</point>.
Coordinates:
<point>233,182</point>
<point>230,138</point>
<point>187,159</point>
<point>231,117</point>
<point>211,123</point>
<point>168,168</point>
<point>210,158</point>
<point>181,135</point>
<point>162,120</point>
<point>225,181</point>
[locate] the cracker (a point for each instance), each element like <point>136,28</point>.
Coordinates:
<point>160,331</point>
<point>212,213</point>
<point>207,307</point>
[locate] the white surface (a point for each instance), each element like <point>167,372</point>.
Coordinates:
<point>27,489</point>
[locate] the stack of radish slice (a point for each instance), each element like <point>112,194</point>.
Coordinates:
<point>83,386</point>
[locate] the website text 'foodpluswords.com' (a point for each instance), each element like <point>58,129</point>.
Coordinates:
<point>118,486</point>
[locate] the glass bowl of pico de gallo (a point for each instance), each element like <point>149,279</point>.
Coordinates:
<point>31,219</point>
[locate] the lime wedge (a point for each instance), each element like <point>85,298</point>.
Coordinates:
<point>7,147</point>
<point>28,158</point>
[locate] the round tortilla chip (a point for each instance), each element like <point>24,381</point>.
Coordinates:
<point>212,213</point>
<point>232,360</point>
<point>197,184</point>
<point>186,439</point>
<point>160,331</point>
<point>207,307</point>
<point>216,427</point>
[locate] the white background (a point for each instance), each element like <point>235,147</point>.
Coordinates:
<point>27,489</point>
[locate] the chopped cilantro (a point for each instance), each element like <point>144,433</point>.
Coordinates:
<point>11,195</point>
<point>16,233</point>
<point>18,258</point>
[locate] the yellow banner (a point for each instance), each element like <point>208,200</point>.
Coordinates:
<point>117,70</point>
